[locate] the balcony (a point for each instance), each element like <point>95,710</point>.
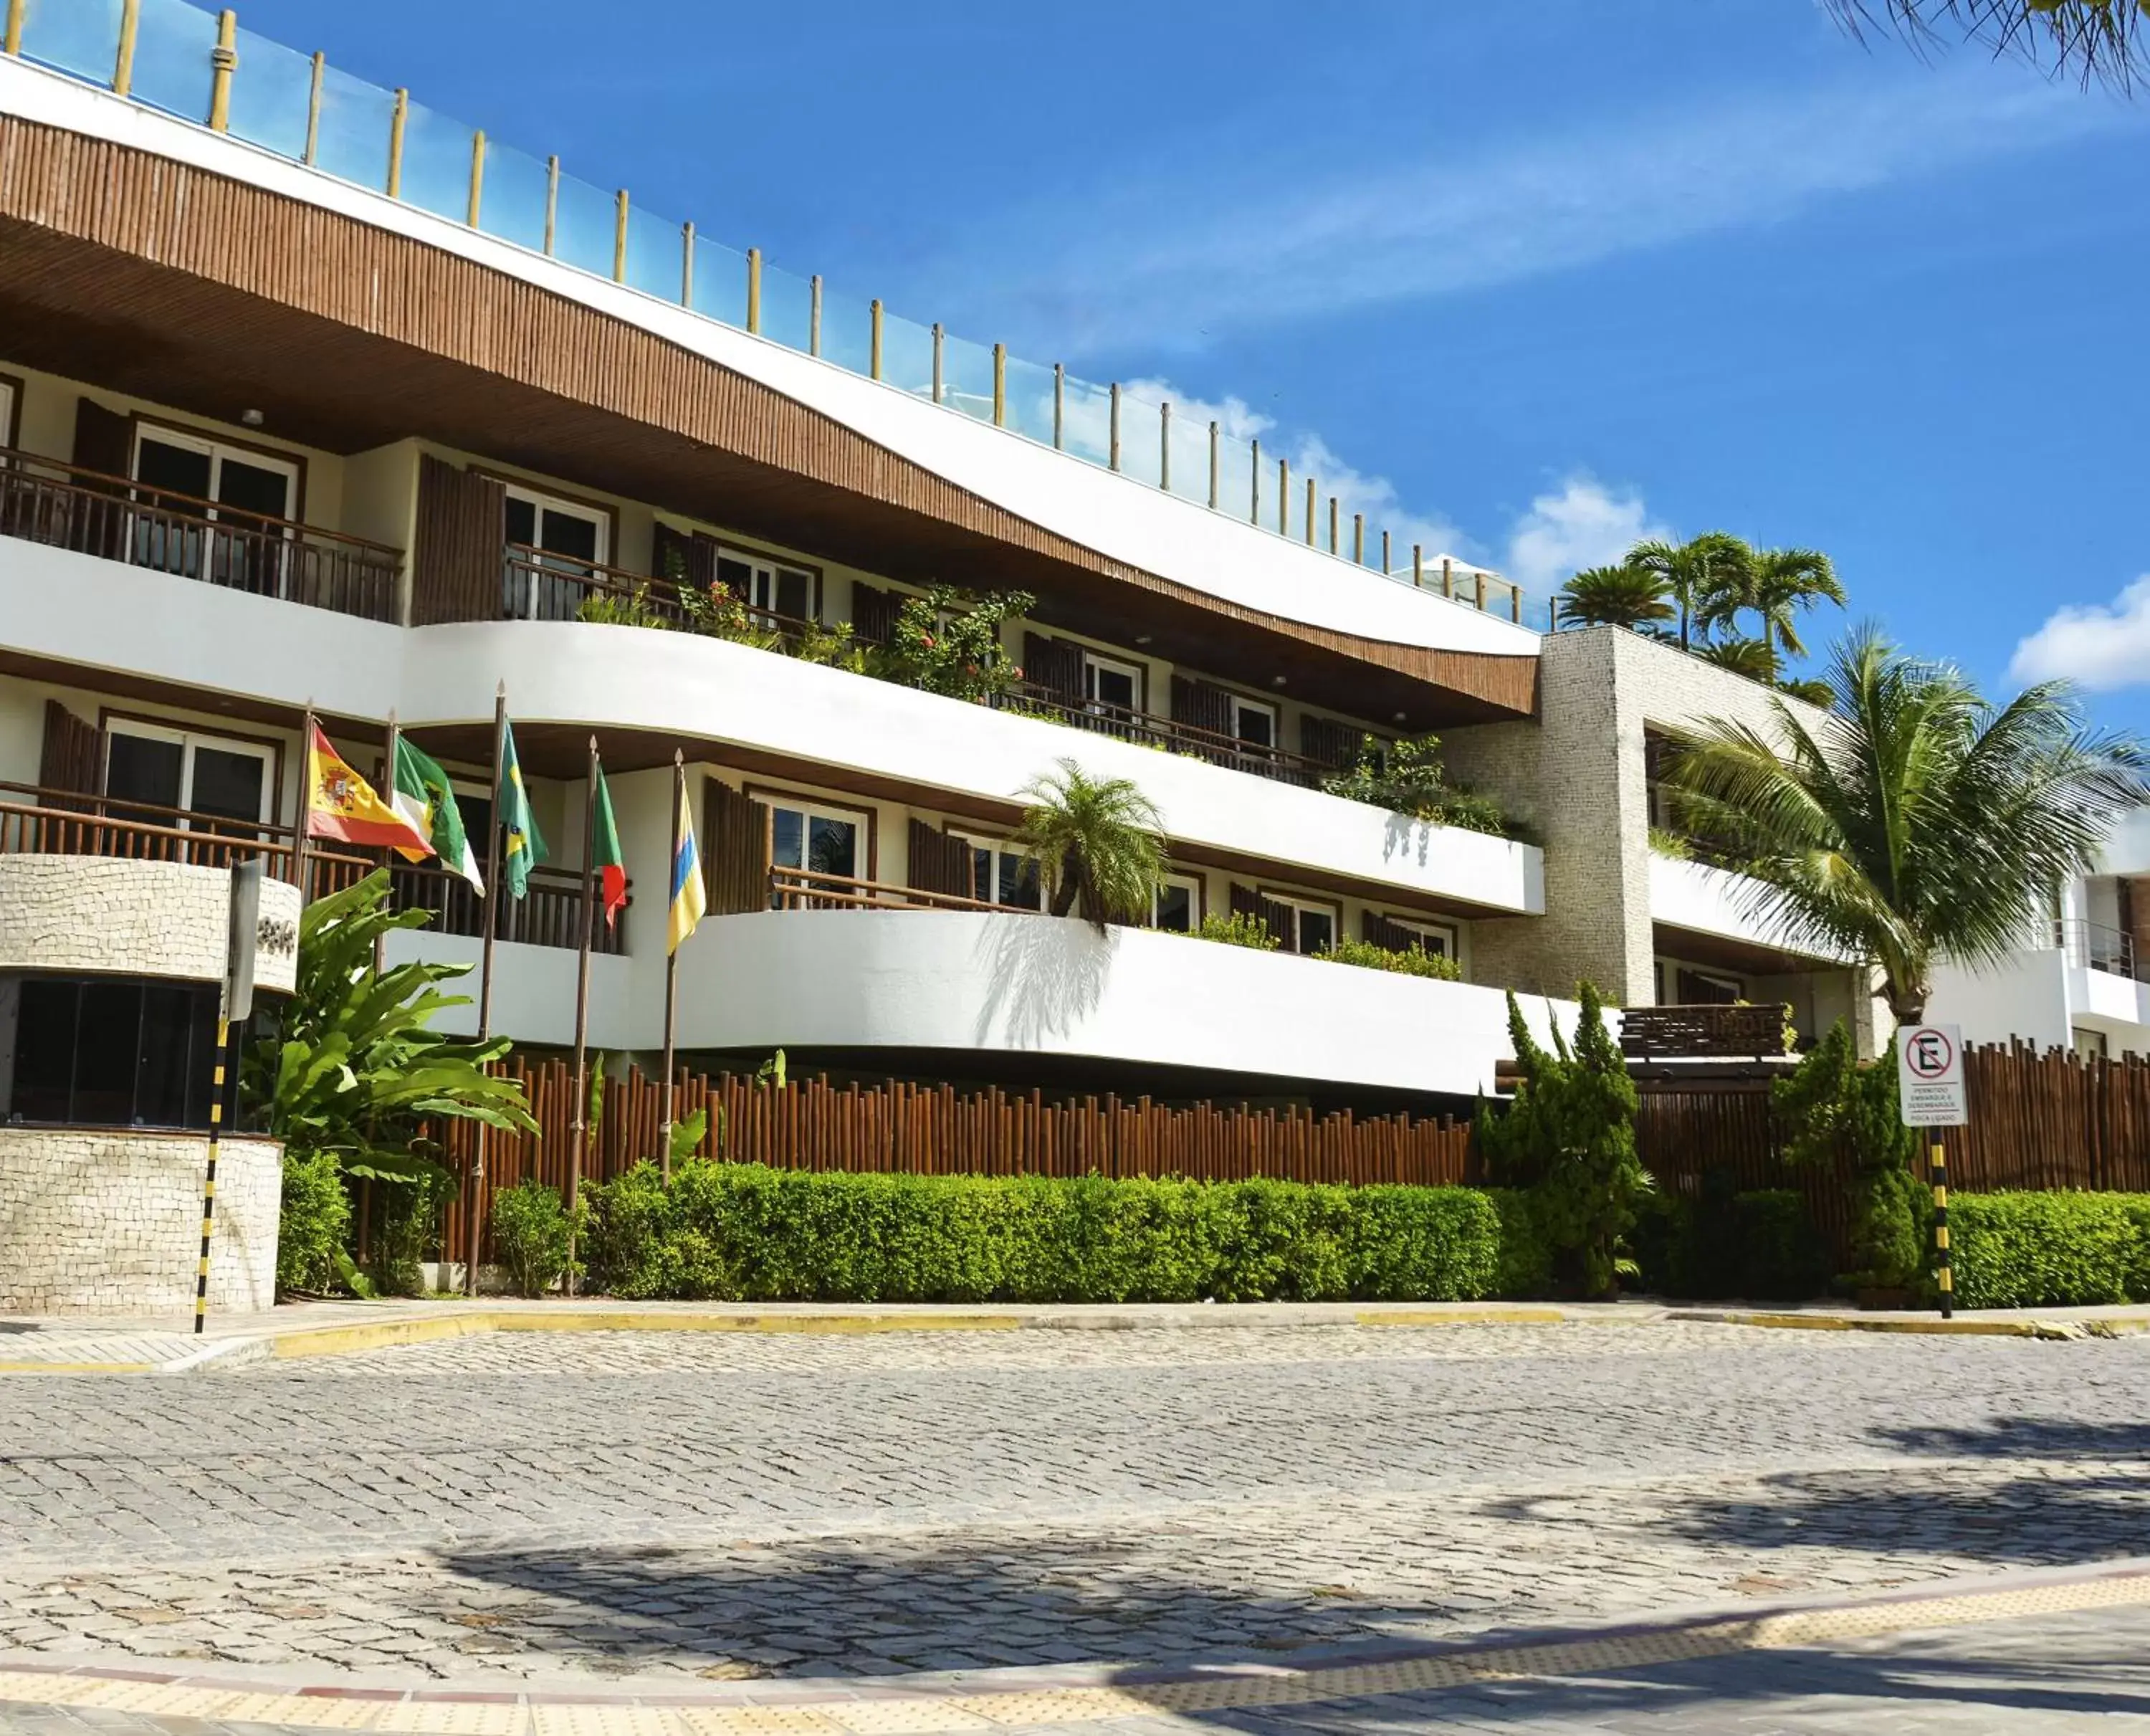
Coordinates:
<point>39,821</point>
<point>537,585</point>
<point>63,506</point>
<point>2097,947</point>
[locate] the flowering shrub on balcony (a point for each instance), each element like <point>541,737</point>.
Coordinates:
<point>948,641</point>
<point>1406,777</point>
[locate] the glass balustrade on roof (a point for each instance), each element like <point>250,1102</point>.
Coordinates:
<point>300,108</point>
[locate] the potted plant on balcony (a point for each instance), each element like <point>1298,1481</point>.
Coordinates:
<point>1099,842</point>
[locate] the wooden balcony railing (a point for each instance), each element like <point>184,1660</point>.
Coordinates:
<point>1126,723</point>
<point>1704,1032</point>
<point>803,888</point>
<point>63,506</point>
<point>35,821</point>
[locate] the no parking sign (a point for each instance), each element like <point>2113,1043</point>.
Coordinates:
<point>1929,1088</point>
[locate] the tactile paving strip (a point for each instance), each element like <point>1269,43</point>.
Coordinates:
<point>962,1713</point>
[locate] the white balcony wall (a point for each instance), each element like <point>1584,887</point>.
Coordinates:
<point>963,981</point>
<point>1698,899</point>
<point>1112,515</point>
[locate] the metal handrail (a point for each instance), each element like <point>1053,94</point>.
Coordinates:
<point>1101,718</point>
<point>2099,946</point>
<point>795,889</point>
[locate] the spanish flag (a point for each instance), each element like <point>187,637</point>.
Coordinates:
<point>342,805</point>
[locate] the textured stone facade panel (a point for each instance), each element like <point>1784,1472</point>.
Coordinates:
<point>110,1222</point>
<point>134,918</point>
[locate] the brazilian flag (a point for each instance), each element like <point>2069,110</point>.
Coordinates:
<point>523,845</point>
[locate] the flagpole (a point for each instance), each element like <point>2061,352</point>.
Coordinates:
<point>672,960</point>
<point>582,1106</point>
<point>388,785</point>
<point>301,835</point>
<point>471,1220</point>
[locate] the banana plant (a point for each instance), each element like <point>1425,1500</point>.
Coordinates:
<point>355,1068</point>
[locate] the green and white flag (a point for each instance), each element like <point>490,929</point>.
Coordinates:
<point>523,845</point>
<point>424,797</point>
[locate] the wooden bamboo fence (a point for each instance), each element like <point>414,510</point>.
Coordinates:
<point>2038,1121</point>
<point>897,1127</point>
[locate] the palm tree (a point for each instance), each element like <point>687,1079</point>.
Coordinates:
<point>2094,39</point>
<point>1632,597</point>
<point>1098,841</point>
<point>1776,584</point>
<point>1750,657</point>
<point>1693,571</point>
<point>1919,821</point>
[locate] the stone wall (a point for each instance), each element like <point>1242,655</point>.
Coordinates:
<point>136,919</point>
<point>110,1222</point>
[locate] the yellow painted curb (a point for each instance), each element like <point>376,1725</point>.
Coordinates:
<point>1847,1323</point>
<point>1461,1317</point>
<point>375,1335</point>
<point>76,1368</point>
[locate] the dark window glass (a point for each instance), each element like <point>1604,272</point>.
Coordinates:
<point>522,522</point>
<point>788,833</point>
<point>1020,887</point>
<point>164,1070</point>
<point>176,468</point>
<point>1317,931</point>
<point>1175,909</point>
<point>981,875</point>
<point>1256,727</point>
<point>227,784</point>
<point>44,1050</point>
<point>794,594</point>
<point>571,535</point>
<point>255,489</point>
<point>737,577</point>
<point>834,847</point>
<point>107,1032</point>
<point>138,768</point>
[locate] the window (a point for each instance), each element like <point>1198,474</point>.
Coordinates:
<point>2091,1044</point>
<point>1437,938</point>
<point>106,1052</point>
<point>193,477</point>
<point>1005,877</point>
<point>162,767</point>
<point>817,839</point>
<point>1703,988</point>
<point>773,589</point>
<point>1313,925</point>
<point>1178,907</point>
<point>564,537</point>
<point>7,412</point>
<point>1112,687</point>
<point>1255,722</point>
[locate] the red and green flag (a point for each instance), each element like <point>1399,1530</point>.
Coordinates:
<point>605,855</point>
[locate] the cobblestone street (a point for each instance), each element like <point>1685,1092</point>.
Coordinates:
<point>689,1507</point>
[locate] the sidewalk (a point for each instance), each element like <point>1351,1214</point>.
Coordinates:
<point>52,1345</point>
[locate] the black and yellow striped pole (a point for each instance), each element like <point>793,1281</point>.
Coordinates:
<point>1943,1277</point>
<point>209,1182</point>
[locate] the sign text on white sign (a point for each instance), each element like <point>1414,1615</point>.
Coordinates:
<point>1929,1076</point>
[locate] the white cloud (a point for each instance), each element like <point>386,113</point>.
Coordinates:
<point>1167,263</point>
<point>2103,646</point>
<point>1586,524</point>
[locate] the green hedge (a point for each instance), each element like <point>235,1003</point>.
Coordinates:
<point>743,1232</point>
<point>1760,1245</point>
<point>2034,1250</point>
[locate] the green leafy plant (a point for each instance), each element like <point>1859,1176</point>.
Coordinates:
<point>354,1067</point>
<point>1617,596</point>
<point>1692,573</point>
<point>1413,962</point>
<point>532,1234</point>
<point>718,612</point>
<point>1832,1109</point>
<point>404,1222</point>
<point>616,609</point>
<point>1775,585</point>
<point>743,1232</point>
<point>1099,843</point>
<point>1568,1138</point>
<point>2050,1251</point>
<point>1406,776</point>
<point>1677,847</point>
<point>311,1224</point>
<point>1917,822</point>
<point>833,647</point>
<point>1239,929</point>
<point>948,641</point>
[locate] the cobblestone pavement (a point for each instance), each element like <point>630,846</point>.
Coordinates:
<point>676,1506</point>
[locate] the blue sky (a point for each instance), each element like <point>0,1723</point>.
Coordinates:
<point>1525,280</point>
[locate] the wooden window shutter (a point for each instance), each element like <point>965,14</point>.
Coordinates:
<point>940,862</point>
<point>873,614</point>
<point>1056,665</point>
<point>74,755</point>
<point>1200,705</point>
<point>1328,742</point>
<point>462,538</point>
<point>734,849</point>
<point>104,442</point>
<point>1246,901</point>
<point>1378,931</point>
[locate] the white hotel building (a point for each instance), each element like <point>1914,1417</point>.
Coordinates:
<point>308,396</point>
